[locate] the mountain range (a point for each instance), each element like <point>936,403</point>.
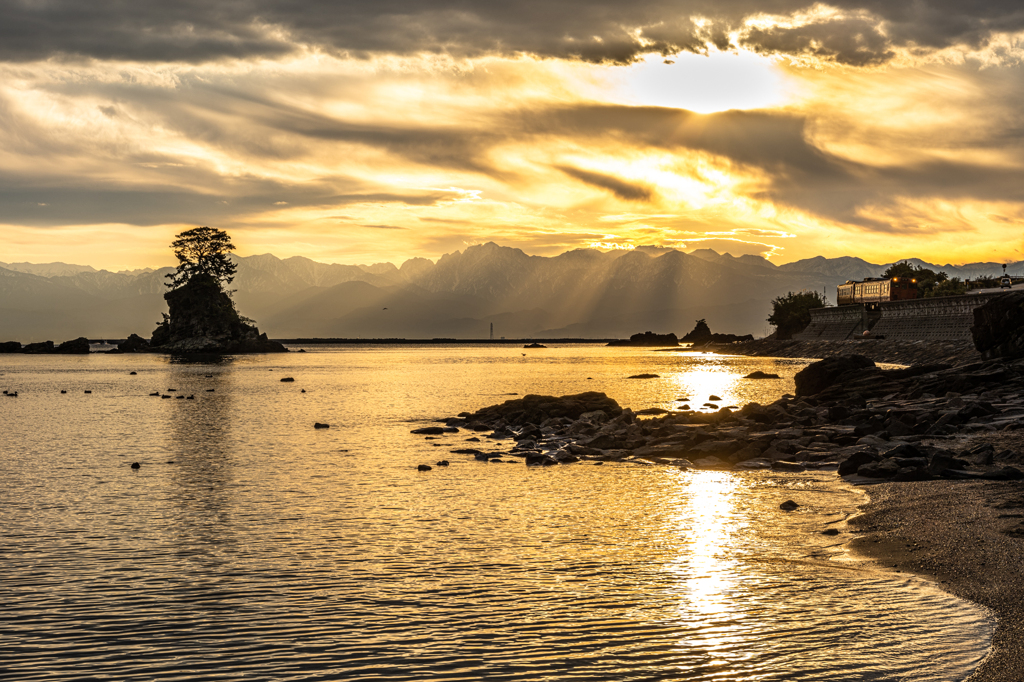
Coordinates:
<point>583,293</point>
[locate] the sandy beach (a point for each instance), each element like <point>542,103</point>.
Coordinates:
<point>968,537</point>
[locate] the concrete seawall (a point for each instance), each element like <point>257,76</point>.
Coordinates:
<point>948,318</point>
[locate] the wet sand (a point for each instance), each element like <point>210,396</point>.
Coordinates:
<point>967,536</point>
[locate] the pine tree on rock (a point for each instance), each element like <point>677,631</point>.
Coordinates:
<point>202,251</point>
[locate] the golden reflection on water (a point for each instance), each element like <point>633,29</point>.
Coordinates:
<point>707,378</point>
<point>708,522</point>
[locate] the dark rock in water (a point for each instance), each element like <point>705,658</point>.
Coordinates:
<point>534,345</point>
<point>465,451</point>
<point>424,467</point>
<point>135,465</point>
<point>132,374</point>
<point>788,505</point>
<point>38,348</point>
<point>288,379</point>
<point>79,346</point>
<point>442,463</point>
<point>191,397</point>
<point>203,319</point>
<point>644,376</point>
<point>855,461</point>
<point>540,460</point>
<point>177,397</point>
<point>597,464</point>
<point>483,456</point>
<point>761,375</point>
<point>653,410</point>
<point>534,409</point>
<point>830,531</point>
<point>63,391</point>
<point>318,425</point>
<point>648,339</point>
<point>434,430</point>
<point>998,330</point>
<point>473,439</point>
<point>702,335</point>
<point>165,397</point>
<point>153,394</point>
<point>302,391</point>
<point>713,397</point>
<point>818,376</point>
<point>209,390</point>
<point>133,344</point>
<point>10,347</point>
<point>88,391</point>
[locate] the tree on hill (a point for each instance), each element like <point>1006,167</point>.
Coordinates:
<point>202,251</point>
<point>792,313</point>
<point>926,278</point>
<point>954,286</point>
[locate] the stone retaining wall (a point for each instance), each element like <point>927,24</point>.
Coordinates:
<point>947,318</point>
<point>838,323</point>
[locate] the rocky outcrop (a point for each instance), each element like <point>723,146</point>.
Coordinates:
<point>202,319</point>
<point>38,348</point>
<point>895,425</point>
<point>10,347</point>
<point>649,339</point>
<point>133,344</point>
<point>820,375</point>
<point>701,335</point>
<point>79,346</point>
<point>998,330</point>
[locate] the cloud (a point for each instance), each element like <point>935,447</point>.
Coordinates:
<point>190,31</point>
<point>620,188</point>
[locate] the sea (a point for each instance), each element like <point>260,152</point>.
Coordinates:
<point>249,545</point>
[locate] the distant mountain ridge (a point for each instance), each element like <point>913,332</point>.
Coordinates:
<point>579,293</point>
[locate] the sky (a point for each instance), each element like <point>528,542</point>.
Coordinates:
<point>379,130</point>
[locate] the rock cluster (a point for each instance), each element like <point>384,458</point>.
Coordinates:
<point>879,424</point>
<point>74,347</point>
<point>648,339</point>
<point>701,335</point>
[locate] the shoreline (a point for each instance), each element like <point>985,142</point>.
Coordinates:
<point>954,535</point>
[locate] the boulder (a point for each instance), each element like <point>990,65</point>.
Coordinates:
<point>10,347</point>
<point>788,505</point>
<point>855,461</point>
<point>820,375</point>
<point>754,464</point>
<point>133,344</point>
<point>998,330</point>
<point>886,468</point>
<point>79,346</point>
<point>38,348</point>
<point>761,375</point>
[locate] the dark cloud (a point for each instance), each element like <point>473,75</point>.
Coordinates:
<point>620,188</point>
<point>863,32</point>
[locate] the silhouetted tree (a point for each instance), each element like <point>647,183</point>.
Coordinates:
<point>202,251</point>
<point>792,313</point>
<point>926,278</point>
<point>953,286</point>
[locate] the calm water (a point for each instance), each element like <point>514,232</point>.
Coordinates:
<point>251,546</point>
